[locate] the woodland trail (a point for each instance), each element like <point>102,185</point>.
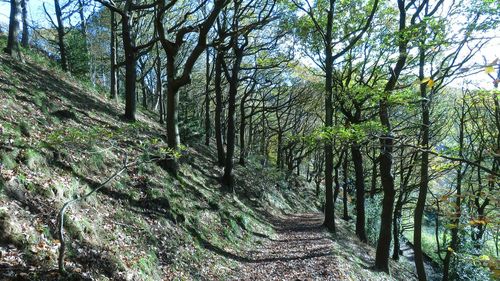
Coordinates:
<point>301,250</point>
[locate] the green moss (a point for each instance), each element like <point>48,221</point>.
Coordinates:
<point>39,99</point>
<point>5,227</point>
<point>147,266</point>
<point>213,204</point>
<point>154,193</point>
<point>24,128</point>
<point>79,228</point>
<point>96,160</point>
<point>8,159</point>
<point>73,227</point>
<point>2,188</point>
<point>243,221</point>
<point>33,159</point>
<point>123,215</point>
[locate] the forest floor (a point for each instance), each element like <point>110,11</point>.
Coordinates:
<point>302,249</point>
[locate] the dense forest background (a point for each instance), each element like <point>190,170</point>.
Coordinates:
<point>389,109</point>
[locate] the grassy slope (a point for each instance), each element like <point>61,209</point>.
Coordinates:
<point>60,138</point>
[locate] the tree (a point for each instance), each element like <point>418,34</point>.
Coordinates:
<point>432,33</point>
<point>219,59</point>
<point>386,145</point>
<point>25,33</point>
<point>12,41</point>
<point>59,26</point>
<point>454,242</point>
<point>177,75</point>
<point>132,51</point>
<point>354,84</point>
<point>326,42</point>
<point>113,93</point>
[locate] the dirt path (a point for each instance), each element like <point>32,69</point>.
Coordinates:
<point>301,250</point>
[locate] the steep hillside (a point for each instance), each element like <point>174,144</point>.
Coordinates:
<point>61,138</point>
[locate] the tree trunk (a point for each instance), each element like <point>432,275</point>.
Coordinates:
<point>83,22</point>
<point>173,137</point>
<point>250,132</point>
<point>130,68</point>
<point>336,181</point>
<point>12,43</point>
<point>384,241</point>
<point>373,188</point>
<point>60,36</point>
<point>25,33</point>
<point>228,178</point>
<point>345,215</point>
<point>218,110</point>
<point>357,160</point>
<point>386,145</point>
<point>159,84</point>
<point>242,132</point>
<point>117,68</point>
<point>279,151</point>
<point>113,93</point>
<point>144,94</point>
<point>329,212</point>
<point>396,224</point>
<point>174,82</point>
<point>424,174</point>
<point>207,98</point>
<point>455,241</point>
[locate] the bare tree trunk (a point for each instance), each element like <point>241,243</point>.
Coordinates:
<point>386,145</point>
<point>336,180</point>
<point>279,150</point>
<point>159,84</point>
<point>83,22</point>
<point>424,173</point>
<point>453,246</point>
<point>373,188</point>
<point>345,173</point>
<point>113,75</point>
<point>173,137</point>
<point>25,33</point>
<point>60,36</point>
<point>207,98</point>
<point>130,68</point>
<point>357,160</point>
<point>396,224</point>
<point>329,212</point>
<point>242,131</point>
<point>12,43</point>
<point>228,177</point>
<point>218,110</point>
<point>144,93</point>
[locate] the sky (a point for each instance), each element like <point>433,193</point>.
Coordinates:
<point>479,80</point>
